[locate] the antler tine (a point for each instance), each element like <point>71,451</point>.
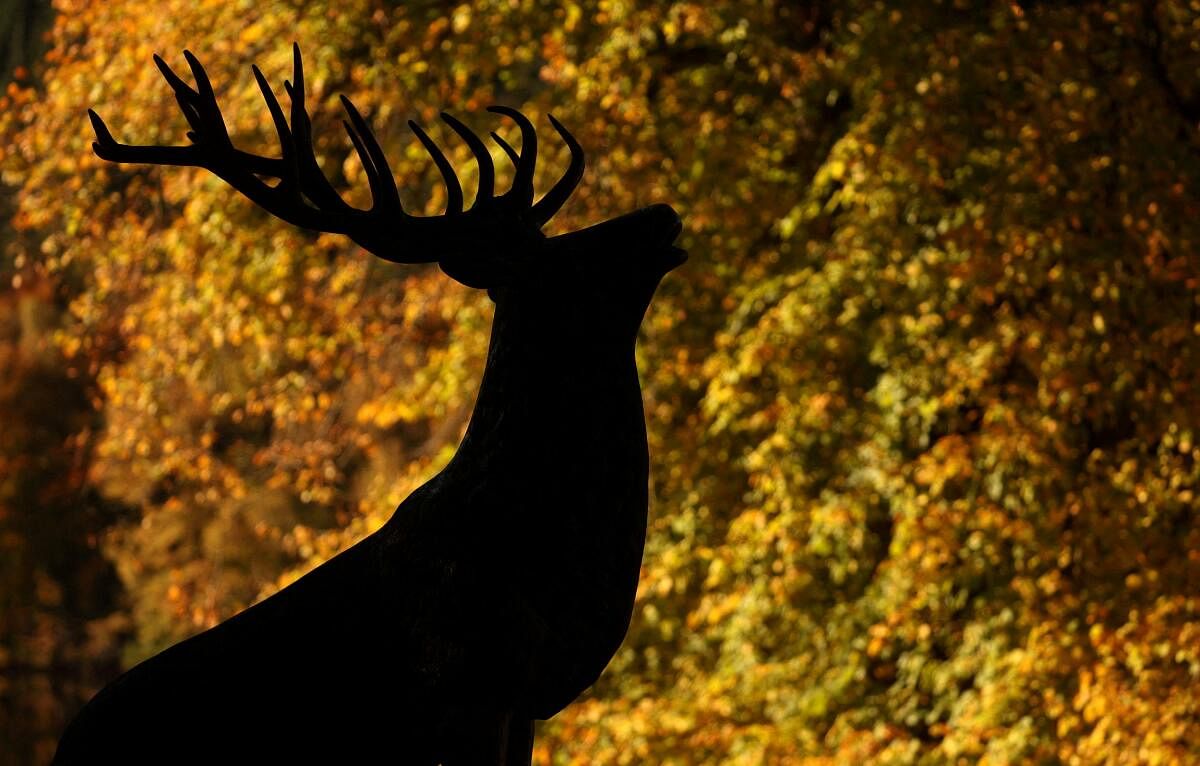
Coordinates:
<point>291,177</point>
<point>190,102</point>
<point>177,84</point>
<point>364,157</point>
<point>202,101</point>
<point>384,195</point>
<point>187,98</point>
<point>108,148</point>
<point>522,185</point>
<point>214,151</point>
<point>454,194</point>
<point>547,206</point>
<point>487,171</point>
<point>305,196</point>
<point>511,152</point>
<point>316,186</point>
<point>204,87</point>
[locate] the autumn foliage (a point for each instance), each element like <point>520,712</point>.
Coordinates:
<point>923,405</point>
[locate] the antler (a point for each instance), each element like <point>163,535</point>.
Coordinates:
<point>305,197</point>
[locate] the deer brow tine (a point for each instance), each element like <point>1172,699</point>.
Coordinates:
<point>454,195</point>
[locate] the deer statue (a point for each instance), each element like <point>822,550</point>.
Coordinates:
<point>500,589</point>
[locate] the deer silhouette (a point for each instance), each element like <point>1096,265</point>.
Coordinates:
<point>500,589</point>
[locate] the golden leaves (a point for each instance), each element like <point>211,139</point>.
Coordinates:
<point>922,402</point>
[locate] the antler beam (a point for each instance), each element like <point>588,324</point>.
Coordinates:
<point>304,196</point>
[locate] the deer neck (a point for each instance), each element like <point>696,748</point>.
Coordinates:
<point>557,397</point>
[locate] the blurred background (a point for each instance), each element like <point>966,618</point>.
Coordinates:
<point>922,405</point>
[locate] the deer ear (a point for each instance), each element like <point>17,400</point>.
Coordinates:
<point>480,273</point>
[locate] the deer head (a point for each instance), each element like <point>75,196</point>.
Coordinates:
<point>496,244</point>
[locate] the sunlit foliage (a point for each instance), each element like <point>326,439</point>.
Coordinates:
<point>923,404</point>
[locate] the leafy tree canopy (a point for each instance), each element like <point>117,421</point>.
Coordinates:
<point>923,404</point>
